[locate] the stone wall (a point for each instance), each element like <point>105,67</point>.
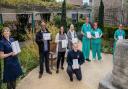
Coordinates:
<point>118,79</point>
<point>120,70</point>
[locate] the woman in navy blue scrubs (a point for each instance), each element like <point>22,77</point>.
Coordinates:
<point>12,68</point>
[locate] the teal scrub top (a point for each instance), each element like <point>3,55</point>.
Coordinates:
<point>96,40</point>
<point>119,33</point>
<point>86,28</point>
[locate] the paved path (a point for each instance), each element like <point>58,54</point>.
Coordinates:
<point>93,72</point>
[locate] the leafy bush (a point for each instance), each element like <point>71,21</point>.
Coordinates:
<point>107,46</point>
<point>44,4</point>
<point>79,24</point>
<point>57,20</point>
<point>29,57</point>
<point>53,29</point>
<point>1,27</point>
<point>69,22</point>
<point>109,32</point>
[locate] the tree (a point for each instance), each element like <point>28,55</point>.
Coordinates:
<point>101,15</point>
<point>63,16</point>
<point>23,20</point>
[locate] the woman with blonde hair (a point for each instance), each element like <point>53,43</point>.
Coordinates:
<point>72,36</point>
<point>12,68</point>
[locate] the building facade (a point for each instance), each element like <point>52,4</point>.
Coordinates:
<point>75,2</point>
<point>107,3</point>
<point>113,11</point>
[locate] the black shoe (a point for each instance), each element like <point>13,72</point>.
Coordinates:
<point>57,71</point>
<point>71,79</point>
<point>49,72</point>
<point>62,68</point>
<point>40,76</point>
<point>88,60</point>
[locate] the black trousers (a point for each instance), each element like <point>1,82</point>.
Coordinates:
<point>77,72</point>
<point>11,85</point>
<point>60,58</point>
<point>44,58</point>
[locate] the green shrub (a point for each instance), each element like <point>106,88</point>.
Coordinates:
<point>107,46</point>
<point>53,29</point>
<point>69,22</point>
<point>29,57</point>
<point>57,20</point>
<point>79,24</point>
<point>1,27</point>
<point>109,32</point>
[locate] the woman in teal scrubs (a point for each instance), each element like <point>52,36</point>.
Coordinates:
<point>119,35</point>
<point>96,42</point>
<point>86,32</point>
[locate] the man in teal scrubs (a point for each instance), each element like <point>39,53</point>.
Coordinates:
<point>119,35</point>
<point>86,32</point>
<point>96,42</point>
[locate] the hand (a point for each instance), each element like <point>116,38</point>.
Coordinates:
<point>13,53</point>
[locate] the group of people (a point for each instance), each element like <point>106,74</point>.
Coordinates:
<point>69,41</point>
<point>63,41</point>
<point>91,38</point>
<point>75,57</point>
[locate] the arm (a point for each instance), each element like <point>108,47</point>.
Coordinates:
<point>92,34</point>
<point>81,61</point>
<point>115,36</point>
<point>38,39</point>
<point>82,31</point>
<point>124,35</point>
<point>66,38</point>
<point>69,59</point>
<point>2,54</point>
<point>101,33</point>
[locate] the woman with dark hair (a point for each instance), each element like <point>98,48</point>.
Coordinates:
<point>12,68</point>
<point>61,40</point>
<point>96,42</point>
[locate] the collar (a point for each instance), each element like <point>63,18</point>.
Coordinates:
<point>75,51</point>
